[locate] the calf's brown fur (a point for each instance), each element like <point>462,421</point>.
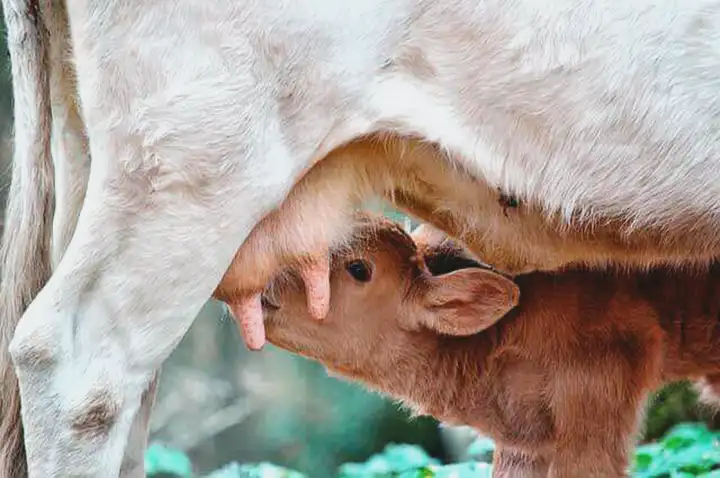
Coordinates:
<point>558,381</point>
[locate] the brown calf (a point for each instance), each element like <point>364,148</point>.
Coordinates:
<point>559,382</point>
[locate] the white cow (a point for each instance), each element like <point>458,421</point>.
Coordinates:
<point>200,116</point>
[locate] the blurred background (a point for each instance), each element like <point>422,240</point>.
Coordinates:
<point>220,403</point>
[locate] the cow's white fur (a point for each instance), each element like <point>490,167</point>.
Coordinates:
<point>69,147</point>
<point>72,168</point>
<point>71,159</point>
<point>201,115</point>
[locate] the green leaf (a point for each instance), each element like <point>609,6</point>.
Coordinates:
<point>645,455</point>
<point>465,470</point>
<point>161,459</point>
<point>683,435</point>
<point>256,470</point>
<point>393,459</point>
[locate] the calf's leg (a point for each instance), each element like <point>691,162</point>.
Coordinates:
<point>597,416</point>
<point>513,463</point>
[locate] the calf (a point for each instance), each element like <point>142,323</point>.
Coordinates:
<point>554,366</point>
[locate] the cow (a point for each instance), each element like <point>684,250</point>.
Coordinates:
<point>200,117</point>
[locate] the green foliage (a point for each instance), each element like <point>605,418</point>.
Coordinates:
<point>394,459</point>
<point>673,404</point>
<point>161,460</point>
<point>405,461</point>
<point>687,450</point>
<point>260,470</point>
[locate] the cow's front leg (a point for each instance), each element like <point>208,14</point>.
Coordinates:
<point>147,253</point>
<point>133,463</point>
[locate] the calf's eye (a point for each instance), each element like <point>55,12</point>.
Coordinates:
<point>359,271</point>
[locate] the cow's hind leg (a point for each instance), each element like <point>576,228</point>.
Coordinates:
<point>146,255</point>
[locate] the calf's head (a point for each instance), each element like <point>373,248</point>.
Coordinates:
<point>384,302</point>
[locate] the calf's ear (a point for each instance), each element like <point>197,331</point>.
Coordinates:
<point>467,301</point>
